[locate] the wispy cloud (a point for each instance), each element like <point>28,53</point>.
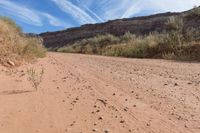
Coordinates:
<point>90,11</point>
<point>113,9</point>
<point>71,13</point>
<point>159,6</point>
<point>133,9</point>
<point>55,21</point>
<point>108,9</point>
<point>27,15</point>
<point>79,14</point>
<point>22,12</point>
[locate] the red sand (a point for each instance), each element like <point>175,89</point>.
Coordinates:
<point>86,94</point>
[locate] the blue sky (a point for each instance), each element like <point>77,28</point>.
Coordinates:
<point>50,15</point>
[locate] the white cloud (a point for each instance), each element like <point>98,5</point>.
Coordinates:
<point>79,14</point>
<point>175,5</point>
<point>160,6</point>
<point>135,8</point>
<point>113,9</point>
<point>28,15</point>
<point>55,21</point>
<point>90,11</point>
<point>22,12</point>
<point>93,11</point>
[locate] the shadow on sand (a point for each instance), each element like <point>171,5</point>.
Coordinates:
<point>13,92</point>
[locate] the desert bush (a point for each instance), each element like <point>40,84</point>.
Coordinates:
<point>114,50</point>
<point>175,23</point>
<point>139,47</point>
<point>15,47</point>
<point>189,52</point>
<point>175,43</point>
<point>127,37</point>
<point>170,41</point>
<point>96,44</point>
<point>92,45</point>
<point>102,40</point>
<point>195,12</point>
<point>191,34</point>
<point>34,77</point>
<point>142,47</point>
<point>186,53</point>
<point>66,49</point>
<point>168,46</point>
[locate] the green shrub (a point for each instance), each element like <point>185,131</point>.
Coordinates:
<point>66,50</point>
<point>114,50</point>
<point>170,42</point>
<point>175,23</point>
<point>139,47</point>
<point>101,41</point>
<point>92,45</point>
<point>127,37</point>
<point>191,35</point>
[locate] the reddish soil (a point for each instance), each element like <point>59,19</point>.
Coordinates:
<point>87,94</point>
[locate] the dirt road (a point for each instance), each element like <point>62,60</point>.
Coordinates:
<point>94,94</point>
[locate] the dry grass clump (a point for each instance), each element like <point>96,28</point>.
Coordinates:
<point>34,77</point>
<point>15,48</point>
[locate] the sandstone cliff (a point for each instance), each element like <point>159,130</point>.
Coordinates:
<point>136,25</point>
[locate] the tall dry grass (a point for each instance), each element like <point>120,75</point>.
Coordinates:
<point>15,47</point>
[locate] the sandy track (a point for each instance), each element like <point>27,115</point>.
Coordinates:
<point>86,94</point>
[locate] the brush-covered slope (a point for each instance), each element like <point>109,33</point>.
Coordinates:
<point>137,26</point>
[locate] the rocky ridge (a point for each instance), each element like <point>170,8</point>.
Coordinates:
<point>136,25</point>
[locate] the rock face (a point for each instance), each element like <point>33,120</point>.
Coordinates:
<point>136,25</point>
